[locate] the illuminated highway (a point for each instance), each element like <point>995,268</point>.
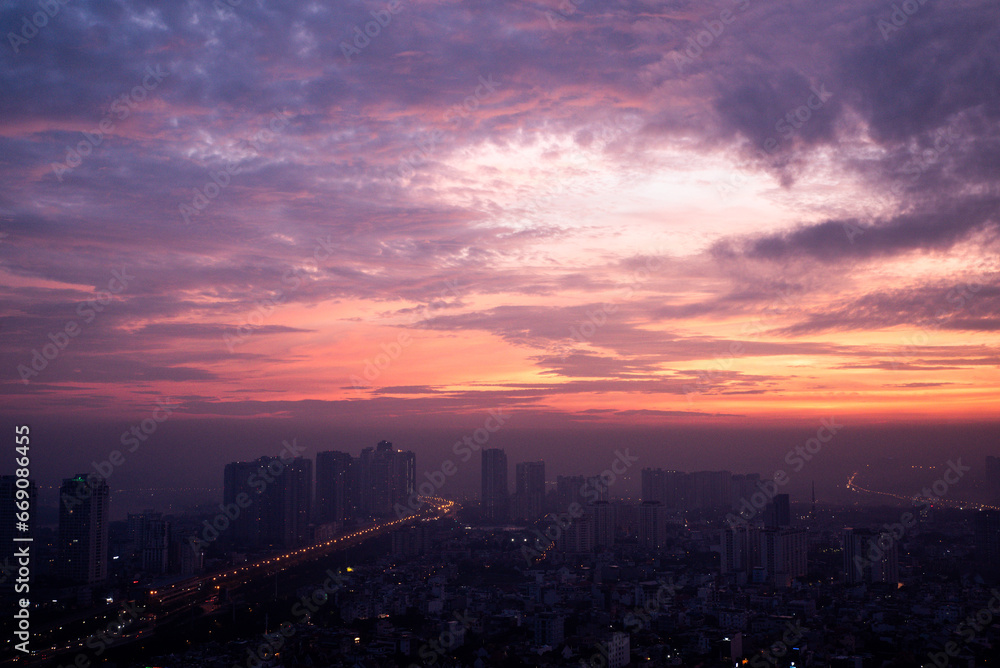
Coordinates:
<point>963,505</point>
<point>170,602</point>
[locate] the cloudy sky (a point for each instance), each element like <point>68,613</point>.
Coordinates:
<point>587,213</point>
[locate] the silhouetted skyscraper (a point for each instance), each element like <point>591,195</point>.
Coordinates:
<point>570,490</point>
<point>149,535</point>
<point>988,538</point>
<point>782,554</point>
<point>332,477</point>
<point>279,493</point>
<point>993,477</point>
<point>596,490</point>
<point>604,523</point>
<point>494,489</point>
<point>529,487</point>
<point>737,550</point>
<point>296,503</point>
<point>384,477</point>
<point>242,478</point>
<point>677,490</point>
<point>710,489</point>
<point>404,476</point>
<point>382,463</point>
<point>83,529</point>
<point>155,545</point>
<point>866,559</point>
<point>652,525</point>
<point>744,486</point>
<point>778,512</point>
<point>578,536</point>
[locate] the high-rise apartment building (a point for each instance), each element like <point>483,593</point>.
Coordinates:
<point>737,555</point>
<point>699,490</point>
<point>279,492</point>
<point>381,478</point>
<point>246,530</point>
<point>782,555</point>
<point>743,487</point>
<point>83,529</point>
<point>578,536</point>
<point>404,476</point>
<point>149,534</point>
<point>296,487</point>
<point>494,485</point>
<point>777,513</point>
<point>993,478</point>
<point>774,555</point>
<point>570,489</point>
<point>987,527</point>
<point>529,486</point>
<point>368,486</point>
<point>869,560</point>
<point>332,485</point>
<point>652,525</point>
<point>605,520</point>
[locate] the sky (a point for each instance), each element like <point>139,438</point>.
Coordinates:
<point>395,217</point>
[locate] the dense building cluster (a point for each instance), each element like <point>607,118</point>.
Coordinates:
<point>551,573</point>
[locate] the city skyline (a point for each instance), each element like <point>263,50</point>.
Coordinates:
<point>744,530</point>
<point>334,483</point>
